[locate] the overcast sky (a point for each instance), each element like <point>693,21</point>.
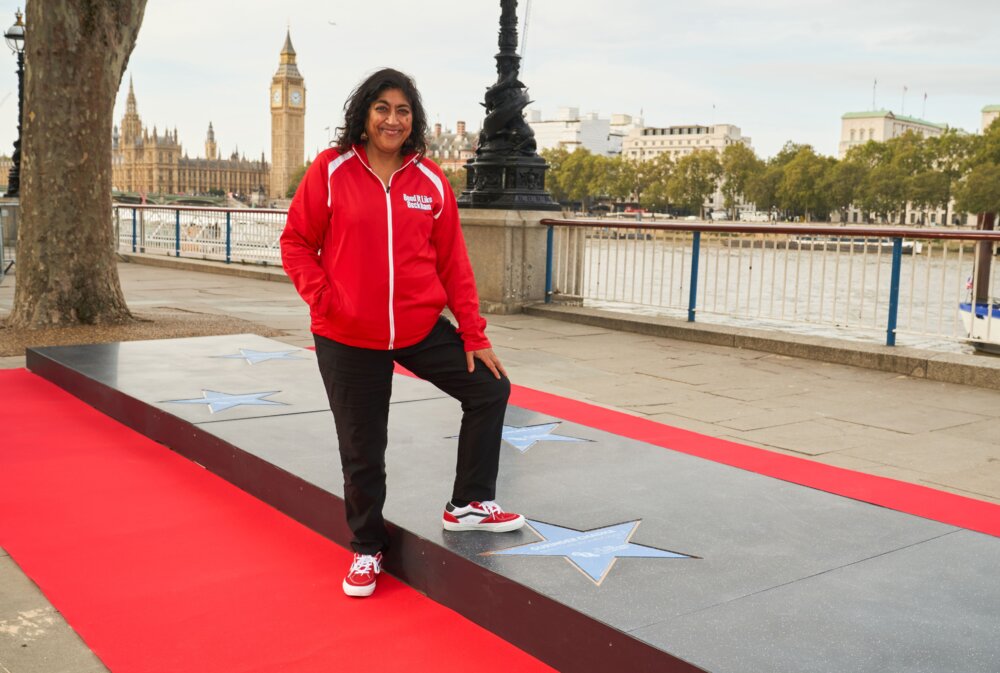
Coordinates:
<point>779,69</point>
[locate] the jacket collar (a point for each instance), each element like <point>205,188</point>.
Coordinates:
<point>359,150</point>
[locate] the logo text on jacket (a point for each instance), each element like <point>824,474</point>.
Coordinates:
<point>417,201</point>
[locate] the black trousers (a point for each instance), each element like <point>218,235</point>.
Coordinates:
<point>359,382</point>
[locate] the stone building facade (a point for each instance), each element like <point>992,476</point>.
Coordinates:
<point>990,113</point>
<point>450,150</point>
<point>857,128</point>
<point>152,162</point>
<point>648,142</point>
<point>288,121</point>
<point>571,130</point>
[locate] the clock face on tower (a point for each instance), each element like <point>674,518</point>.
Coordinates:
<point>296,97</point>
<point>276,97</point>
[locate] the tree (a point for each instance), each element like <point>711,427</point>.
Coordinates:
<point>75,54</point>
<point>296,178</point>
<point>739,166</point>
<point>634,180</point>
<point>579,174</point>
<point>555,177</point>
<point>694,179</point>
<point>457,178</point>
<point>929,189</point>
<point>884,191</point>
<point>843,183</point>
<point>979,191</point>
<point>762,187</point>
<point>802,190</point>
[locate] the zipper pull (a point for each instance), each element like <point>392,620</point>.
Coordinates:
<point>387,188</point>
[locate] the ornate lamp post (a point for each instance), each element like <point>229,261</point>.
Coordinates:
<point>15,40</point>
<point>507,172</point>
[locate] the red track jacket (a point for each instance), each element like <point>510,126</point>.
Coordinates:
<point>377,263</point>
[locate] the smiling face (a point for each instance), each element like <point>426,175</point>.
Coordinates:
<point>390,120</point>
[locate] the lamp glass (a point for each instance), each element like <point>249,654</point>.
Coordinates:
<point>15,36</point>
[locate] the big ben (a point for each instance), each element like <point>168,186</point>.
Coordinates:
<point>288,114</point>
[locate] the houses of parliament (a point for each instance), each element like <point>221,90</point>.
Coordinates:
<point>148,161</point>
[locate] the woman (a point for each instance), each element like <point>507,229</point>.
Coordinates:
<point>373,245</point>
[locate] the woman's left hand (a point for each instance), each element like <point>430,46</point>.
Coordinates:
<point>489,358</point>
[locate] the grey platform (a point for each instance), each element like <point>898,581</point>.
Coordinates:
<point>781,578</point>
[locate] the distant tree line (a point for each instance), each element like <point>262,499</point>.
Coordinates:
<point>878,178</point>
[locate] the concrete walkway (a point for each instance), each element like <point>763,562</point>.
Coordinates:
<point>938,434</point>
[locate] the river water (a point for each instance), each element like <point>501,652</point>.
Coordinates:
<point>825,292</point>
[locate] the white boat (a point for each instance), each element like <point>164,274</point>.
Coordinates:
<point>853,244</point>
<point>984,327</point>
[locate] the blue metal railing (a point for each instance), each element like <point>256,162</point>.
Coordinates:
<point>836,268</point>
<point>695,256</point>
<point>223,234</point>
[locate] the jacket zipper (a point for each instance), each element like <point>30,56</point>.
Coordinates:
<point>392,271</point>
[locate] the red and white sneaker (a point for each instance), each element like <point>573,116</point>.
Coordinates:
<point>360,580</point>
<point>486,515</point>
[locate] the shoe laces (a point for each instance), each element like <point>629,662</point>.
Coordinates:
<point>364,564</point>
<point>491,507</point>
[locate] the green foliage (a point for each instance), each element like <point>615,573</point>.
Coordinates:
<point>979,191</point>
<point>643,181</point>
<point>803,187</point>
<point>739,167</point>
<point>293,182</point>
<point>762,188</point>
<point>844,181</point>
<point>929,189</point>
<point>884,191</point>
<point>554,178</point>
<point>457,179</point>
<point>694,179</point>
<point>585,177</point>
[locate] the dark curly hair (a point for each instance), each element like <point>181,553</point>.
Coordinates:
<point>361,99</point>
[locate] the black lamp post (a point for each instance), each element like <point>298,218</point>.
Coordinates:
<point>506,172</point>
<point>15,40</point>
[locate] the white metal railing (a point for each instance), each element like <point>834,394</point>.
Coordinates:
<point>838,280</point>
<point>222,234</point>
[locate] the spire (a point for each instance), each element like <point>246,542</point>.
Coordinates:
<point>288,51</point>
<point>286,65</point>
<point>288,48</point>
<point>210,147</point>
<point>130,101</point>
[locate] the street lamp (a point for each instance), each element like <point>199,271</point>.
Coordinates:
<point>15,40</point>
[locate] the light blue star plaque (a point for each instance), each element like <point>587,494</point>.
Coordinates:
<point>593,552</point>
<point>523,438</point>
<point>217,401</point>
<point>253,357</point>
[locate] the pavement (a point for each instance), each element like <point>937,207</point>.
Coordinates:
<point>906,427</point>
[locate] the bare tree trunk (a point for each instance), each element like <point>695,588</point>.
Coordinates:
<point>984,258</point>
<point>75,54</point>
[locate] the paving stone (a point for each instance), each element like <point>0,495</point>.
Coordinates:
<point>34,637</point>
<point>769,418</point>
<point>905,416</point>
<point>943,455</point>
<point>816,437</point>
<point>982,480</point>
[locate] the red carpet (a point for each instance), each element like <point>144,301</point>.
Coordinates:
<point>161,566</point>
<point>922,501</point>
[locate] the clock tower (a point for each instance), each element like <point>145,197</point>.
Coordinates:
<point>288,115</point>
